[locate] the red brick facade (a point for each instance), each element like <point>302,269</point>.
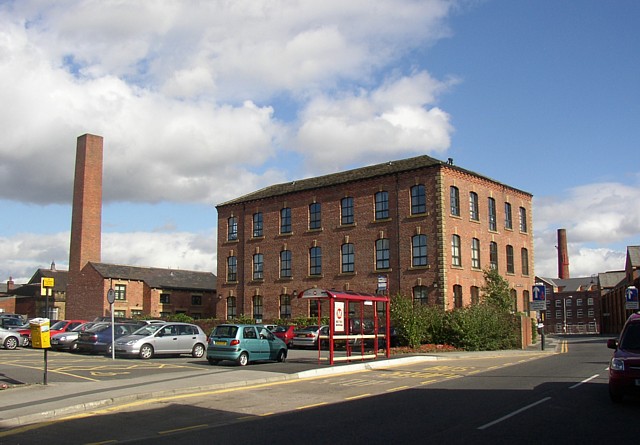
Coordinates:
<point>86,227</point>
<point>436,279</point>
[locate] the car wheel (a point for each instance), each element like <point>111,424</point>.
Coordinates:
<point>282,355</point>
<point>73,347</point>
<point>198,351</point>
<point>243,360</point>
<point>213,362</point>
<point>146,352</point>
<point>109,349</point>
<point>616,397</point>
<point>11,343</point>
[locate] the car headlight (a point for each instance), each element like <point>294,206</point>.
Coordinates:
<point>131,342</point>
<point>63,338</point>
<point>617,364</point>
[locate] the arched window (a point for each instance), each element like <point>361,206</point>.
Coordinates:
<point>231,308</point>
<point>420,295</point>
<point>454,200</point>
<point>257,308</point>
<point>285,306</point>
<point>232,229</point>
<point>315,261</point>
<point>382,254</point>
<point>418,200</point>
<point>419,250</point>
<point>382,205</point>
<point>348,258</point>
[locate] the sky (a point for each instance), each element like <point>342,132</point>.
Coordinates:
<point>201,102</point>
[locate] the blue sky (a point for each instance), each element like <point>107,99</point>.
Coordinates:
<point>199,103</point>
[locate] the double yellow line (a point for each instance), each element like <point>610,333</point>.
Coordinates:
<point>564,347</point>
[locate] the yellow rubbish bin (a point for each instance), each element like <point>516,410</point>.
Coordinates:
<point>40,334</point>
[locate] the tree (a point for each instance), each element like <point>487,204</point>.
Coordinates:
<point>495,291</point>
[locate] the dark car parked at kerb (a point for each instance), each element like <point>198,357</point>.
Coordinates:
<point>97,339</point>
<point>624,368</point>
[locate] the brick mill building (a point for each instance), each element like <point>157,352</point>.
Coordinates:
<point>423,227</point>
<point>139,291</point>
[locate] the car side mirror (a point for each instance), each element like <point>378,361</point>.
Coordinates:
<point>612,343</point>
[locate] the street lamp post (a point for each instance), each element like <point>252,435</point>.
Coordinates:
<point>564,306</point>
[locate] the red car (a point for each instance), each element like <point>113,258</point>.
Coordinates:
<point>285,333</point>
<point>624,368</point>
<point>57,327</point>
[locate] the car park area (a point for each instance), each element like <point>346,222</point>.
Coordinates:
<point>25,366</point>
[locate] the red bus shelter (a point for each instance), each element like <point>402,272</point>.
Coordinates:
<point>360,320</point>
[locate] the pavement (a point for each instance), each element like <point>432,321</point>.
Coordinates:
<point>29,404</point>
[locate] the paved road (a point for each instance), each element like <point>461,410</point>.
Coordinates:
<point>490,399</point>
<point>27,366</point>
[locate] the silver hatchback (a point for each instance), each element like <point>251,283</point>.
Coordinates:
<point>171,338</point>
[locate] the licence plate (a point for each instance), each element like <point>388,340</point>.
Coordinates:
<point>221,342</point>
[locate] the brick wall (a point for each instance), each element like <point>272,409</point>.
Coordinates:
<point>436,223</point>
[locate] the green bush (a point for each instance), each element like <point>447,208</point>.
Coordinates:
<point>479,327</point>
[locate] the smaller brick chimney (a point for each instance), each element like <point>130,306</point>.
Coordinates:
<point>563,255</point>
<point>10,284</point>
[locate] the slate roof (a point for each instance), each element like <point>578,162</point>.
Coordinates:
<point>347,176</point>
<point>609,280</point>
<point>60,278</point>
<point>158,278</point>
<point>633,252</point>
<point>571,284</point>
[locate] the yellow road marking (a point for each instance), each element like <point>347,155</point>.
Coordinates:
<point>397,388</point>
<point>186,428</point>
<point>313,406</point>
<point>360,396</point>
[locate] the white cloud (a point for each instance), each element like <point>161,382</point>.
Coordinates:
<point>175,250</point>
<point>387,123</point>
<point>181,90</point>
<point>597,217</point>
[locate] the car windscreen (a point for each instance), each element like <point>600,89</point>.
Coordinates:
<point>225,331</point>
<point>631,337</point>
<point>146,330</point>
<point>281,329</point>
<point>59,325</point>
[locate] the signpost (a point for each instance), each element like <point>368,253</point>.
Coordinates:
<point>111,298</point>
<point>631,298</point>
<point>539,304</point>
<point>46,289</point>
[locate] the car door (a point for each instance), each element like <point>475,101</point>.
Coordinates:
<point>186,338</point>
<point>253,343</point>
<point>269,345</point>
<point>166,340</point>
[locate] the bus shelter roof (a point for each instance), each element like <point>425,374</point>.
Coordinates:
<point>315,293</point>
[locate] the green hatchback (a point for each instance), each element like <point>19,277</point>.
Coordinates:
<point>244,343</point>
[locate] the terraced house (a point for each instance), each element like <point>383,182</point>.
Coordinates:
<point>419,227</point>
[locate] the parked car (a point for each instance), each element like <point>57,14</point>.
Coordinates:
<point>97,339</point>
<point>8,321</point>
<point>25,332</point>
<point>68,340</point>
<point>56,327</point>
<point>161,339</point>
<point>624,368</point>
<point>306,337</point>
<point>285,333</point>
<point>9,339</point>
<point>243,344</point>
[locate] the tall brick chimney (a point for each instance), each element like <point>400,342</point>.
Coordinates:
<point>563,255</point>
<point>86,217</point>
<point>86,226</point>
